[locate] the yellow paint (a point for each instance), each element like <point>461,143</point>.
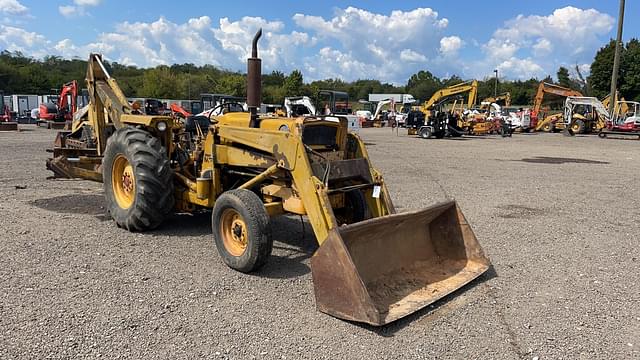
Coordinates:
<point>123,182</point>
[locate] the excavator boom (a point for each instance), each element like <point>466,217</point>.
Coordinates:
<point>69,96</point>
<point>506,97</point>
<point>470,86</point>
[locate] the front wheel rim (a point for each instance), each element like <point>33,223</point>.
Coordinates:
<point>233,229</point>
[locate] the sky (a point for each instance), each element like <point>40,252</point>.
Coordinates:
<point>384,40</point>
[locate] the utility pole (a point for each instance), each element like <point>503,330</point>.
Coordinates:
<point>616,60</point>
<point>495,88</point>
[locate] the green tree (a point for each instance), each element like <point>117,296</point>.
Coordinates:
<point>293,83</point>
<point>232,84</point>
<point>563,77</point>
<point>601,68</point>
<point>630,71</point>
<point>276,78</point>
<point>423,84</point>
<point>159,82</point>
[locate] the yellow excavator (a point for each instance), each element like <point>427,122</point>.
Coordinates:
<point>623,107</point>
<point>470,87</point>
<point>373,265</point>
<point>503,99</point>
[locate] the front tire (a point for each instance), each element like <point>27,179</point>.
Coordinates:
<point>578,127</point>
<point>241,230</point>
<point>137,180</point>
<point>425,133</point>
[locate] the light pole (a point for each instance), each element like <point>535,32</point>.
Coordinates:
<point>616,60</point>
<point>495,88</point>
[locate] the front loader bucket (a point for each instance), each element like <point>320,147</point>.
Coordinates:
<point>379,270</point>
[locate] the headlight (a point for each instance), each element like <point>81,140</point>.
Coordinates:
<point>284,128</point>
<point>161,125</point>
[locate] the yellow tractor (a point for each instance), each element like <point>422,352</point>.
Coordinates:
<point>372,265</point>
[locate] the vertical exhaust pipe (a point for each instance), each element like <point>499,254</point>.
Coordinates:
<point>254,82</point>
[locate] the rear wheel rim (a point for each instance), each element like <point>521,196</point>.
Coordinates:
<point>234,232</point>
<point>123,182</point>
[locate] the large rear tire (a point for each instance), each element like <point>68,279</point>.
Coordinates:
<point>137,180</point>
<point>241,230</point>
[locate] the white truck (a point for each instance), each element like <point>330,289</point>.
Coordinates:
<point>397,98</point>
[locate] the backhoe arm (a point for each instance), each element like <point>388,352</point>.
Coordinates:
<point>547,88</point>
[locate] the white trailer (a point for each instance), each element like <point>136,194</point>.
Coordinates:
<point>23,104</point>
<point>397,98</point>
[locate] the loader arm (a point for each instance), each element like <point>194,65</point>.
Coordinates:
<point>290,155</point>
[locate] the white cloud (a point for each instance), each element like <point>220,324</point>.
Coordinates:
<point>390,47</point>
<point>352,43</point>
<point>87,2</point>
<point>78,9</point>
<point>450,45</point>
<point>540,44</point>
<point>585,69</point>
<point>411,56</point>
<point>65,47</point>
<point>13,7</point>
<point>68,10</point>
<point>542,48</point>
<point>197,41</point>
<point>520,68</point>
<point>28,43</point>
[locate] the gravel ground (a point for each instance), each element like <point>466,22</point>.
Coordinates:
<point>558,217</point>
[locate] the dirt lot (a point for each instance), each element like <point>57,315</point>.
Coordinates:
<point>559,218</point>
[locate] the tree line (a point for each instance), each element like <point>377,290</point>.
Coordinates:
<point>20,74</point>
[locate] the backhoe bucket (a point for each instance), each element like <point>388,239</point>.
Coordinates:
<point>379,270</point>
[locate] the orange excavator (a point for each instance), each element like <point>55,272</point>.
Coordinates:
<point>549,123</point>
<point>55,116</point>
<point>179,111</point>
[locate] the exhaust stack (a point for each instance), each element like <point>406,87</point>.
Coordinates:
<point>254,81</point>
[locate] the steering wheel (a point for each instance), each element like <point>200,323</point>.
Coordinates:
<point>222,106</point>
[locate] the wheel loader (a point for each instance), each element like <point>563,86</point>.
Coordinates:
<point>373,265</point>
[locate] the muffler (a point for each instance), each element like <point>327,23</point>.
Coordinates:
<point>379,270</point>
